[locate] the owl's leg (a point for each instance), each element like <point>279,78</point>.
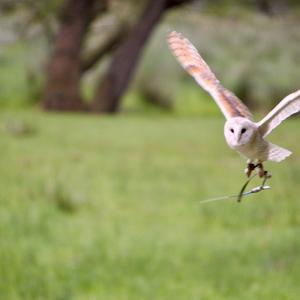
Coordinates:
<point>263,174</point>
<point>250,168</point>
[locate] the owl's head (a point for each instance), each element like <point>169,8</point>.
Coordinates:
<point>239,131</point>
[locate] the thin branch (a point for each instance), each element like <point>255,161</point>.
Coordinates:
<point>114,40</point>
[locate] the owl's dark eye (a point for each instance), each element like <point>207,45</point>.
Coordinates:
<point>243,130</point>
<point>231,129</point>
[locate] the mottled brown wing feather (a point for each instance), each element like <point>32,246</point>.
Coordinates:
<point>193,63</point>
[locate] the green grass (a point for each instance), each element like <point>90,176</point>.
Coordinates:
<point>20,74</point>
<point>108,208</point>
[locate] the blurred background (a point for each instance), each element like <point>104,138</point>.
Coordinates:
<point>108,147</point>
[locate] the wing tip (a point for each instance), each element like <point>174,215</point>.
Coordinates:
<point>174,37</point>
<point>173,33</point>
<point>277,153</point>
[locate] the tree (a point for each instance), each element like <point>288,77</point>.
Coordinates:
<point>269,7</point>
<point>115,81</point>
<point>111,42</point>
<point>62,86</point>
<point>66,66</point>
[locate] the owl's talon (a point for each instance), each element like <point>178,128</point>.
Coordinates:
<point>257,189</point>
<point>261,172</point>
<point>250,167</point>
<point>266,177</point>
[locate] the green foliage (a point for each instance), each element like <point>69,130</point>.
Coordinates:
<point>140,231</point>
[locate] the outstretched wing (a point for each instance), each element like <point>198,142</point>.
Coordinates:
<point>286,107</point>
<point>192,62</point>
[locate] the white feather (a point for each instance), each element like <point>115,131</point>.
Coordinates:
<point>288,106</point>
<point>277,153</point>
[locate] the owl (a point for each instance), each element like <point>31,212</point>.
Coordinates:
<point>241,132</point>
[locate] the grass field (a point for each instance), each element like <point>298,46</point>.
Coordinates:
<point>109,208</point>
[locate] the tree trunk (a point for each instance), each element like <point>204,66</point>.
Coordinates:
<point>115,81</point>
<point>62,88</point>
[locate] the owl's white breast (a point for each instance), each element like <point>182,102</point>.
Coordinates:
<point>257,148</point>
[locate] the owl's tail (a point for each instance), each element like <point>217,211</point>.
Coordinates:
<point>277,153</point>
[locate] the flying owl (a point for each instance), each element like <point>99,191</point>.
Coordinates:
<point>241,133</point>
